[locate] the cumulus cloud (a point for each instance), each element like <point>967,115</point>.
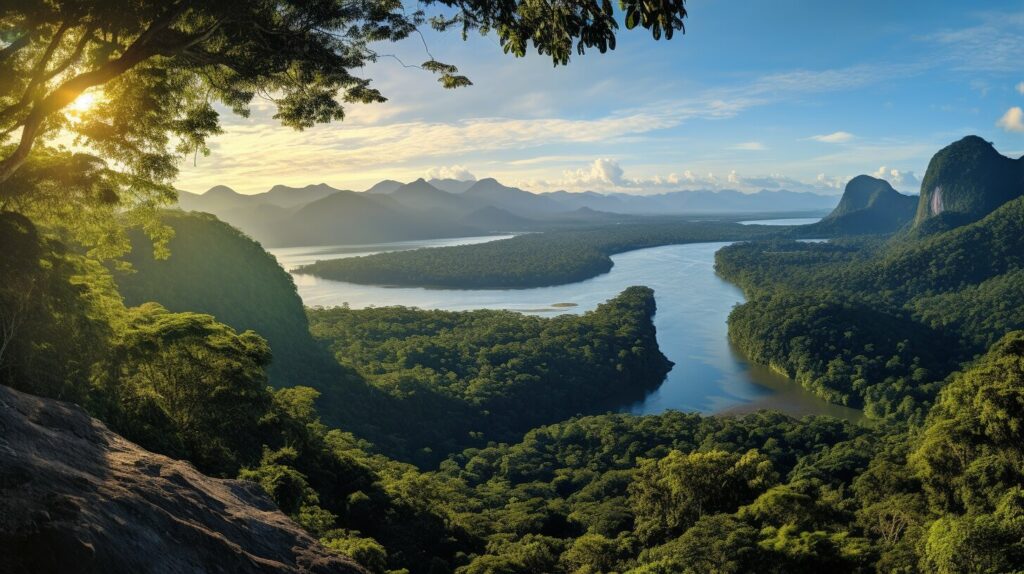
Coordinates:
<point>834,137</point>
<point>899,179</point>
<point>458,172</point>
<point>603,173</point>
<point>831,182</point>
<point>607,175</point>
<point>1012,120</point>
<point>393,141</point>
<point>1020,88</point>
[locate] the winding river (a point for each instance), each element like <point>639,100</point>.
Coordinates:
<point>693,305</point>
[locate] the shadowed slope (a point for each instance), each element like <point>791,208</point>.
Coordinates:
<point>75,497</point>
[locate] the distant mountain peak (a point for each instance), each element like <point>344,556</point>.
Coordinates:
<point>384,187</point>
<point>281,188</point>
<point>452,185</point>
<point>419,185</point>
<point>220,190</point>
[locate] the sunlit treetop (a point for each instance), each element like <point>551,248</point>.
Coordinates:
<point>135,82</point>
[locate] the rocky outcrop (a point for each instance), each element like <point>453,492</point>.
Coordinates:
<point>965,181</point>
<point>76,497</point>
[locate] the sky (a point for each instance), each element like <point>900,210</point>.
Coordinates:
<point>798,95</point>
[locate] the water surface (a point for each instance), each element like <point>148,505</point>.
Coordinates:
<point>789,221</point>
<point>709,376</point>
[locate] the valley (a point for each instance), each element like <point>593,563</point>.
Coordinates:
<point>708,375</point>
<point>739,292</point>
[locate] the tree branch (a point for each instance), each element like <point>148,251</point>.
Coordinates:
<point>14,46</point>
<point>141,49</point>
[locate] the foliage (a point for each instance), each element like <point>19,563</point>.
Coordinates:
<point>448,380</point>
<point>187,383</point>
<point>52,313</point>
<point>158,75</point>
<point>232,278</point>
<point>671,494</point>
<point>531,260</point>
<point>880,323</point>
<point>965,181</point>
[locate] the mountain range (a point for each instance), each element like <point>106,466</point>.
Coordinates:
<point>395,211</point>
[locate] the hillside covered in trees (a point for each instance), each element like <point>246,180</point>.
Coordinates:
<point>423,384</point>
<point>524,261</point>
<point>506,477</point>
<point>879,323</point>
<point>230,277</point>
<point>169,405</point>
<point>869,206</point>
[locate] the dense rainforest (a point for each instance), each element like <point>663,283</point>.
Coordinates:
<point>524,261</point>
<point>419,384</point>
<point>445,442</point>
<point>437,381</point>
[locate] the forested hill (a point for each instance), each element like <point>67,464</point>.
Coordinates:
<point>441,381</point>
<point>214,268</point>
<point>880,323</point>
<point>532,260</point>
<point>965,181</point>
<point>869,205</point>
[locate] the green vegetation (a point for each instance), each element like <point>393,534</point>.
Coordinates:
<point>965,181</point>
<point>936,488</point>
<point>532,260</point>
<point>159,71</point>
<point>230,277</point>
<point>442,381</point>
<point>880,323</point>
<point>869,205</point>
<point>607,493</point>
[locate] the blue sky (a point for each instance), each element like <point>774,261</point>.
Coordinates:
<point>788,94</point>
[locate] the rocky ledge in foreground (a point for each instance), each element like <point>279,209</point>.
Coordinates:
<point>76,497</point>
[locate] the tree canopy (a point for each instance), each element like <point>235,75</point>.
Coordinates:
<point>156,72</point>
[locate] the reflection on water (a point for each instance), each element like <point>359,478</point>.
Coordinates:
<point>693,305</point>
<point>292,257</point>
<point>790,221</point>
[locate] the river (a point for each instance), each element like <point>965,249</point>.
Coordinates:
<point>693,304</point>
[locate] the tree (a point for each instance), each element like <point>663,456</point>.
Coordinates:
<point>162,65</point>
<point>190,385</point>
<point>669,495</point>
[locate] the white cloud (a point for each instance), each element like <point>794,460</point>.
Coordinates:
<point>749,146</point>
<point>255,153</point>
<point>831,182</point>
<point>834,137</point>
<point>1020,88</point>
<point>1012,120</point>
<point>607,175</point>
<point>603,173</point>
<point>900,179</point>
<point>458,172</point>
<point>993,45</point>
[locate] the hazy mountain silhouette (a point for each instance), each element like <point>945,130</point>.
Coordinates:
<point>394,211</point>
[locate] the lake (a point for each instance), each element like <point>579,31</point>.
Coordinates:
<point>693,305</point>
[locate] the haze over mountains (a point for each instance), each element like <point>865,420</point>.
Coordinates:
<point>395,211</point>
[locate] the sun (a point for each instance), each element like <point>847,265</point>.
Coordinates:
<point>82,103</point>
